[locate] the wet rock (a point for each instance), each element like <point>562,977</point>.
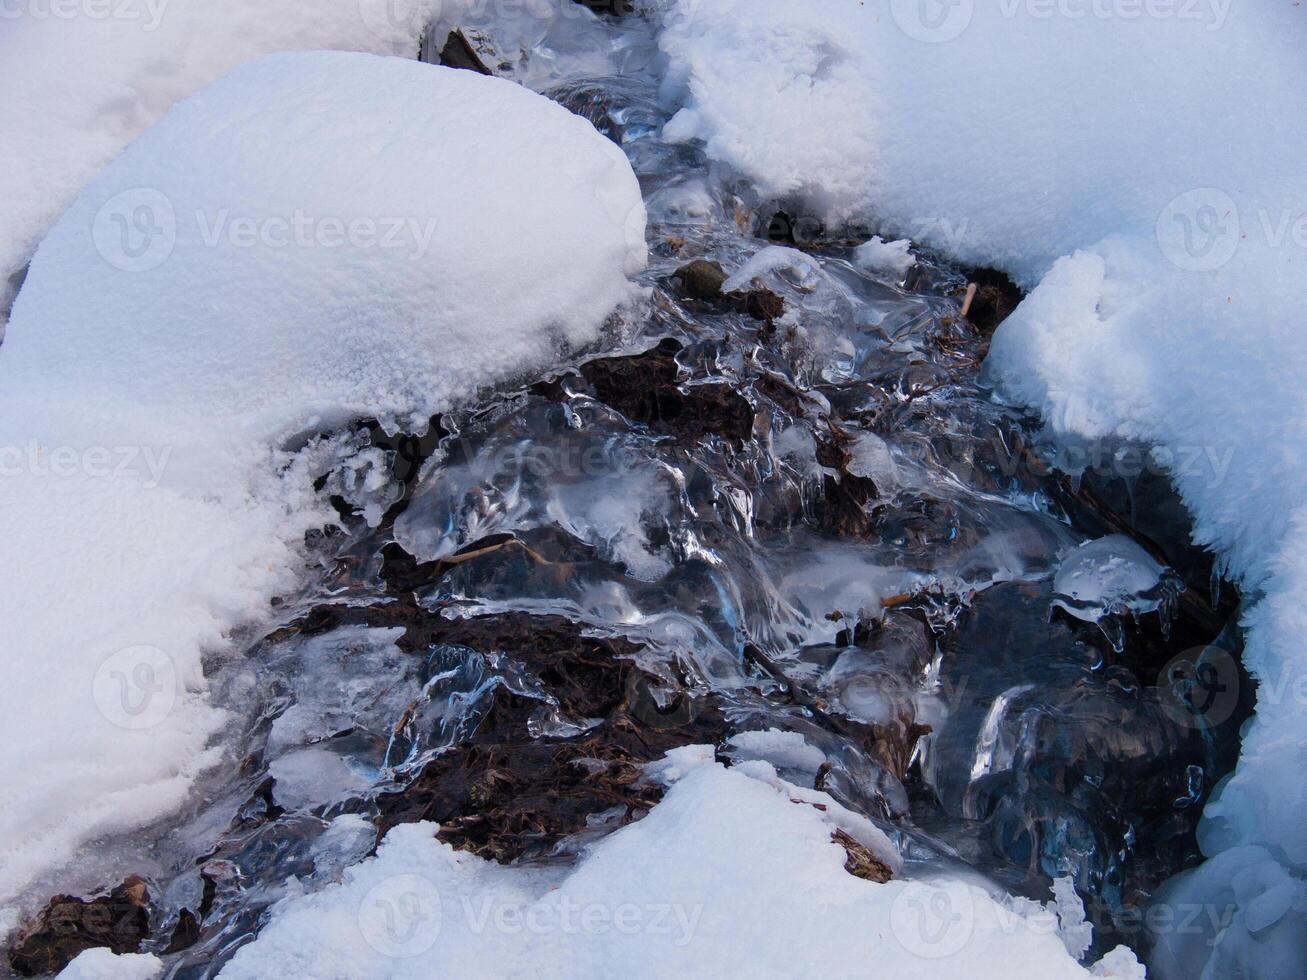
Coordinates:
<point>702,280</point>
<point>69,926</point>
<point>455,52</point>
<point>646,388</point>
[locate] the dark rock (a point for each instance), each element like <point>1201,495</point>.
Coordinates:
<point>68,926</point>
<point>504,794</point>
<point>761,304</point>
<point>845,509</point>
<point>702,280</point>
<point>861,863</point>
<point>609,8</point>
<point>646,388</point>
<point>456,52</point>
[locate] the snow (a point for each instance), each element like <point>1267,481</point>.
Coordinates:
<point>100,964</point>
<point>889,258</point>
<point>83,79</point>
<point>1151,203</point>
<point>267,305</point>
<point>734,873</point>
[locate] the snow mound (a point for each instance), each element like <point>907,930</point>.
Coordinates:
<point>315,237</point>
<point>733,874</point>
<point>100,964</point>
<point>1150,202</point>
<point>82,79</point>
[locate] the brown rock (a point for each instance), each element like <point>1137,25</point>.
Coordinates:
<point>69,926</point>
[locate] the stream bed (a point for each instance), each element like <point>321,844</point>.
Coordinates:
<point>779,513</point>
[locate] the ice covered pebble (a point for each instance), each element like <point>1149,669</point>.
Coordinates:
<point>1111,577</point>
<point>887,258</point>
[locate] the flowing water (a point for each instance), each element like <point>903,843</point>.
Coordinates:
<point>790,504</point>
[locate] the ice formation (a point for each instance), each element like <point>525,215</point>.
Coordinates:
<point>314,238</point>
<point>1092,154</point>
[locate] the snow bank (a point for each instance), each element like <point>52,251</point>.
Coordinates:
<point>1135,164</point>
<point>82,78</point>
<point>314,237</point>
<point>731,875</point>
<point>100,964</point>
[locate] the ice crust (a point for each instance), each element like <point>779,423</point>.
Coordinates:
<point>1148,201</point>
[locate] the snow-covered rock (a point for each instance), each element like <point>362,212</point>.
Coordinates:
<point>314,237</point>
<point>82,79</point>
<point>1133,164</point>
<point>734,874</point>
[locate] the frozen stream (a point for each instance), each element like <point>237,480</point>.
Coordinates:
<point>781,500</point>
